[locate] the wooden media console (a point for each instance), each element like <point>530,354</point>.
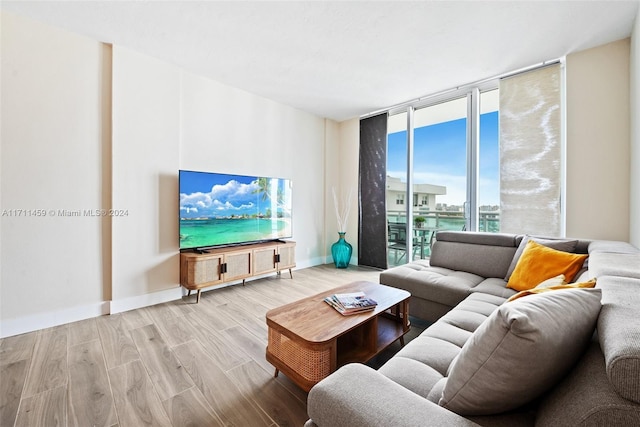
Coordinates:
<point>223,265</point>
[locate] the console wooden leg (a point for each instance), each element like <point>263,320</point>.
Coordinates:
<point>198,297</point>
<point>291,273</point>
<point>188,292</point>
<point>275,374</point>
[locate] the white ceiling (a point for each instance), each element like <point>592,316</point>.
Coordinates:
<point>343,59</point>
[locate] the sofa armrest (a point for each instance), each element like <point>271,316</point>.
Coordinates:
<point>356,395</point>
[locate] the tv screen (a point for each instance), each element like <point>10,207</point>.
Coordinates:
<point>220,209</point>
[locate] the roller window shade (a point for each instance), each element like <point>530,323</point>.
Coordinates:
<point>530,152</point>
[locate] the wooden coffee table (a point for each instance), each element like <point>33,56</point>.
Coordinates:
<point>308,339</point>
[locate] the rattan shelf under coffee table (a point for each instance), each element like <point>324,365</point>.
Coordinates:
<point>308,339</point>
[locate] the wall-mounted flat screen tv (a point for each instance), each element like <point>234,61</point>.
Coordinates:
<point>221,209</point>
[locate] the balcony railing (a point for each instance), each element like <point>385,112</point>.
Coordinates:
<point>434,221</point>
<point>449,220</point>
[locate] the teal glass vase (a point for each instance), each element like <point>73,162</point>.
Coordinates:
<point>341,252</point>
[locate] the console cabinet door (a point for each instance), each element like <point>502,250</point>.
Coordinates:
<point>287,256</point>
<point>264,260</point>
<point>201,270</point>
<point>237,265</point>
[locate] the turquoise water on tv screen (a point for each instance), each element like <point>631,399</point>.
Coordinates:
<point>196,233</point>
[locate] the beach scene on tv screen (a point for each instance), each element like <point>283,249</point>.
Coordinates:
<point>221,209</point>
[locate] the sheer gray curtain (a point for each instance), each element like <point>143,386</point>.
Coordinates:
<point>530,152</point>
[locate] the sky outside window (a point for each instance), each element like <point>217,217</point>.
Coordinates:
<point>440,158</point>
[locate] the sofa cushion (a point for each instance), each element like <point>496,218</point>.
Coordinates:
<point>494,286</point>
<point>458,324</point>
<point>478,304</point>
<point>612,264</point>
<point>481,260</point>
<point>539,262</point>
<point>478,238</point>
<point>433,352</point>
<point>418,377</point>
<point>612,246</point>
<point>442,285</point>
<point>446,331</point>
<point>558,244</point>
<point>520,351</point>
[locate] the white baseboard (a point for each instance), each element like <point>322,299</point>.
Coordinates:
<point>131,303</point>
<point>34,322</point>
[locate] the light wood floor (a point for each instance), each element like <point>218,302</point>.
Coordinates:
<point>173,364</point>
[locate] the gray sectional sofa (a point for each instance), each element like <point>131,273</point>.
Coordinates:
<point>560,358</point>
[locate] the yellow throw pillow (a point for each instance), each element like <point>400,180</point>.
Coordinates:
<point>539,263</point>
<point>540,289</point>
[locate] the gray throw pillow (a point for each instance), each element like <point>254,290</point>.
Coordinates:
<point>560,245</point>
<point>523,348</point>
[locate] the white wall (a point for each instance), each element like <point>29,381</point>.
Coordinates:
<point>342,160</point>
<point>349,152</point>
<point>634,189</point>
<point>333,162</point>
<point>598,142</point>
<point>53,88</point>
<point>146,146</point>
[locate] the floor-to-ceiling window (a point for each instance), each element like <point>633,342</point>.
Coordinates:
<point>433,183</point>
<point>440,164</point>
<point>396,188</point>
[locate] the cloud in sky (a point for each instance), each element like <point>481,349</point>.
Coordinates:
<point>232,197</point>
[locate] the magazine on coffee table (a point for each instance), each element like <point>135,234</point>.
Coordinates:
<point>351,303</point>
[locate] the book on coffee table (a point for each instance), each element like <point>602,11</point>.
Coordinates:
<point>351,303</point>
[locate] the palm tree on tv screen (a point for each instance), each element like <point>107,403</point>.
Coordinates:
<point>264,190</point>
